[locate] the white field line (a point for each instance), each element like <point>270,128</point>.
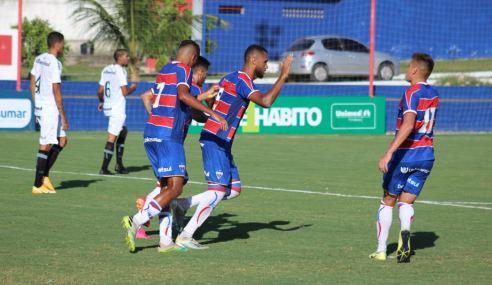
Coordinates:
<point>454,204</point>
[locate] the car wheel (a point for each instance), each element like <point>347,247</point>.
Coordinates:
<point>319,73</point>
<point>385,71</point>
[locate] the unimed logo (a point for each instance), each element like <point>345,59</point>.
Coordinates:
<point>15,113</point>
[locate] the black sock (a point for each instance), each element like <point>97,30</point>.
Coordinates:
<point>52,156</point>
<point>108,154</point>
<point>40,167</point>
<point>120,146</point>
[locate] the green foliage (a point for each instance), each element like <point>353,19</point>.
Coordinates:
<point>143,27</point>
<point>455,80</point>
<point>212,23</point>
<point>34,40</point>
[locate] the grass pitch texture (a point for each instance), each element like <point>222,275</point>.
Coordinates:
<point>320,234</point>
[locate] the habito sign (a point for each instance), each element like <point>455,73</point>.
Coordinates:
<point>314,115</point>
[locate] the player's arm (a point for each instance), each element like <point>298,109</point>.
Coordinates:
<point>266,100</point>
<point>32,87</point>
<point>405,129</point>
<point>198,116</point>
<point>147,100</point>
<point>100,93</point>
<point>185,97</point>
<point>59,104</point>
<point>209,94</point>
<point>126,91</point>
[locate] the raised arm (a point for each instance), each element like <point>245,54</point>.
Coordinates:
<point>266,100</point>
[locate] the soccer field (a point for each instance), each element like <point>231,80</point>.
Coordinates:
<point>306,215</point>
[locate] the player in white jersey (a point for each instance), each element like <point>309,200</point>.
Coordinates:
<point>112,91</point>
<point>49,111</point>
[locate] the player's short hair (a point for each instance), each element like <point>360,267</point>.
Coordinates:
<point>201,63</point>
<point>253,50</point>
<point>191,45</point>
<point>119,53</point>
<point>424,62</point>
<point>53,38</point>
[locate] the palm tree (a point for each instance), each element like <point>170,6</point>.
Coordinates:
<point>143,27</point>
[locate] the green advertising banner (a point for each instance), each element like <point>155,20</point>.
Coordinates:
<point>314,115</point>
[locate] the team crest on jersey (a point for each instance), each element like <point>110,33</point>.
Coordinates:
<point>182,167</point>
<point>219,174</point>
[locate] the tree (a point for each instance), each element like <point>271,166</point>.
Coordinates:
<point>34,40</point>
<point>143,27</point>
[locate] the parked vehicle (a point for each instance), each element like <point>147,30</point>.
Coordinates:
<point>323,56</point>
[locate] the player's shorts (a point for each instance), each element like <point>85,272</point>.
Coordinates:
<point>116,124</point>
<point>218,165</point>
<point>408,176</point>
<point>51,129</point>
<point>167,157</point>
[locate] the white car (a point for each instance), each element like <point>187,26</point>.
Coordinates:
<point>323,56</point>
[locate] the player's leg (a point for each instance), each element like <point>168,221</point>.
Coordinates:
<point>108,154</point>
<point>142,203</point>
<point>419,171</point>
<point>217,165</point>
<point>166,243</point>
<point>53,154</point>
<point>385,212</point>
<point>47,137</point>
<point>233,190</point>
<point>120,147</point>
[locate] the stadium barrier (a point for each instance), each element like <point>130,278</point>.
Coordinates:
<point>461,109</point>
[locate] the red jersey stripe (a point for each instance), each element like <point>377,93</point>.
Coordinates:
<point>231,134</point>
<point>425,104</point>
<point>229,87</point>
<point>211,126</point>
<point>222,107</point>
<point>241,112</point>
<point>166,100</point>
<point>169,79</point>
<point>409,93</point>
<point>425,141</point>
<point>161,121</point>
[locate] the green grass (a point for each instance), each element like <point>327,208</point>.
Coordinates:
<point>460,81</point>
<point>262,237</point>
<point>464,65</point>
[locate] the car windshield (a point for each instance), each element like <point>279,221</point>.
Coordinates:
<point>301,44</point>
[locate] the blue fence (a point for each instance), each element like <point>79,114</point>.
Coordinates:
<point>444,29</point>
<point>461,109</point>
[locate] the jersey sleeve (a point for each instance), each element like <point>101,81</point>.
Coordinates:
<point>101,82</point>
<point>121,75</point>
<point>184,75</point>
<point>195,90</point>
<point>246,87</point>
<point>56,69</point>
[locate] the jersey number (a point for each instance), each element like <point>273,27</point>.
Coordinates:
<point>38,85</point>
<point>160,87</point>
<point>430,115</point>
<point>107,89</point>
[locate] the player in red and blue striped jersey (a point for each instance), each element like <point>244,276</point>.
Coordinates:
<point>164,133</point>
<point>236,91</point>
<point>410,156</point>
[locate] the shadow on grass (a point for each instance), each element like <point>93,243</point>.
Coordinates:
<point>68,184</point>
<point>418,240</point>
<point>133,169</point>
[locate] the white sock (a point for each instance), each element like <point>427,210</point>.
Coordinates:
<point>210,200</point>
<point>192,201</point>
<point>152,195</point>
<point>385,217</point>
<point>406,215</point>
<point>144,215</point>
<point>165,228</point>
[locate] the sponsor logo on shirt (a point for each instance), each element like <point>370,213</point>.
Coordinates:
<point>42,62</point>
<point>109,72</point>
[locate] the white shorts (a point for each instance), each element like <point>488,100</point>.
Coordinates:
<point>51,129</point>
<point>116,124</point>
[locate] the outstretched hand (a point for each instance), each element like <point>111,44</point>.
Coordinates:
<point>285,67</point>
